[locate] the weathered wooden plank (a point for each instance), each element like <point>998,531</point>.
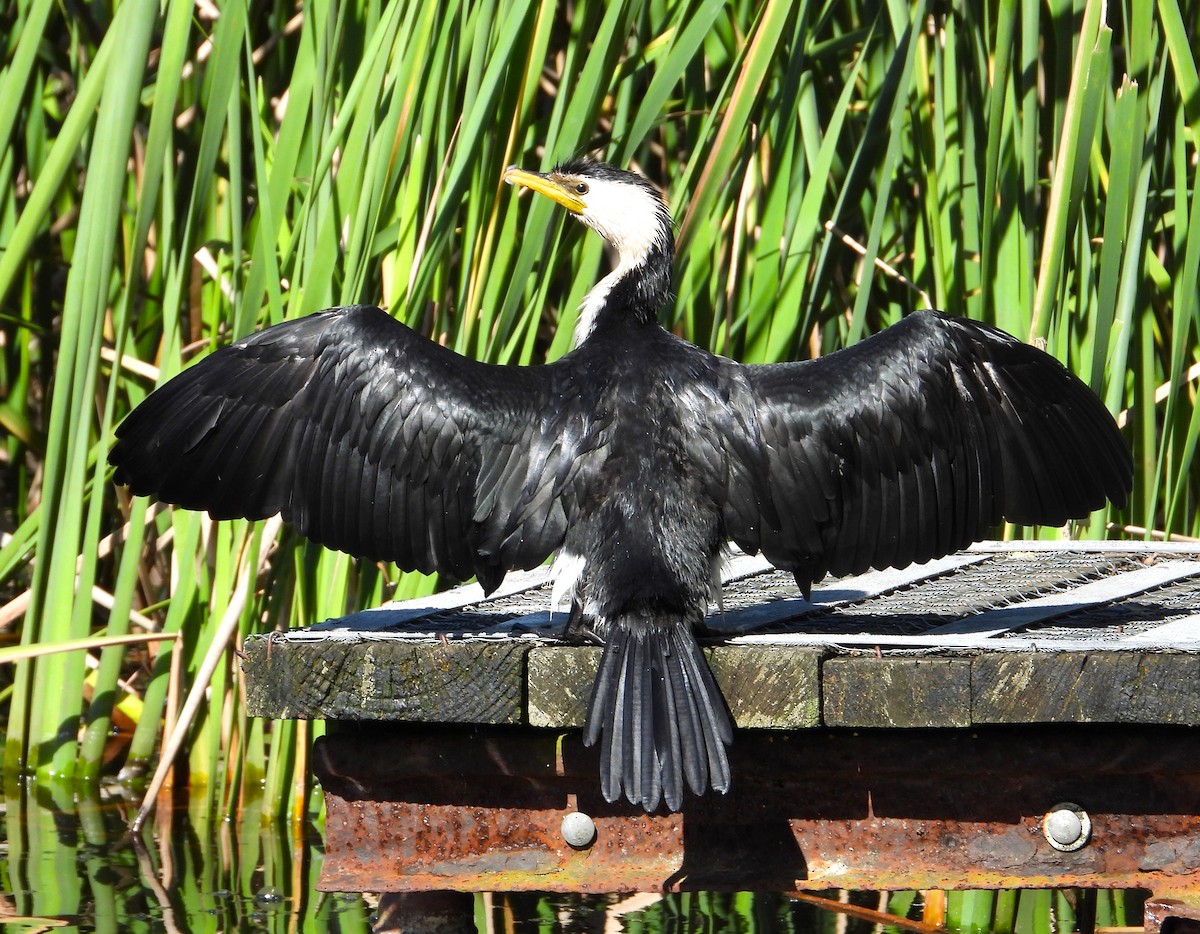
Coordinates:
<point>897,692</point>
<point>1080,687</point>
<point>560,683</point>
<point>765,686</point>
<point>778,689</point>
<point>380,679</point>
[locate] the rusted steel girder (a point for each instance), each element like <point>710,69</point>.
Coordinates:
<point>412,808</point>
<point>1172,916</point>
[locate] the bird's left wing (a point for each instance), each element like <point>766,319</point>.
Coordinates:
<point>910,445</point>
<point>368,438</point>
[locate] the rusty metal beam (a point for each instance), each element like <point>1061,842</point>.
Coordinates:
<point>412,808</point>
<point>1172,915</point>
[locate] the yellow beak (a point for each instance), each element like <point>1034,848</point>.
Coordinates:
<point>545,185</point>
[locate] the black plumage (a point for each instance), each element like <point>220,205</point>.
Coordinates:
<point>636,457</point>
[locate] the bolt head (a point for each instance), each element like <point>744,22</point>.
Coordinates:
<point>578,830</point>
<point>1067,827</point>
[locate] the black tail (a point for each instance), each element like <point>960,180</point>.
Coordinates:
<point>661,714</point>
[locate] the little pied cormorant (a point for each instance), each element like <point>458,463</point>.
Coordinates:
<point>635,457</point>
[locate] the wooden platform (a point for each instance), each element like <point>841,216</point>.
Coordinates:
<point>1017,632</point>
<point>920,728</point>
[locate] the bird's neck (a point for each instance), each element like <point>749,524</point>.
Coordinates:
<point>639,287</point>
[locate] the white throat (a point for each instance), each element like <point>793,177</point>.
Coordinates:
<point>590,307</point>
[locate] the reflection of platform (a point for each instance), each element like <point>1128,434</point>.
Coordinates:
<point>906,729</point>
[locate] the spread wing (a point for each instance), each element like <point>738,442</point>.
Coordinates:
<point>913,444</point>
<point>370,439</point>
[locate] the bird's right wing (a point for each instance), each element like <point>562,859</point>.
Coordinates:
<point>368,438</point>
<point>912,444</point>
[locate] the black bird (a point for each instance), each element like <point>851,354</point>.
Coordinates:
<point>636,457</point>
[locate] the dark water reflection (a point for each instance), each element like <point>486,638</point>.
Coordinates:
<point>68,865</point>
<point>74,865</point>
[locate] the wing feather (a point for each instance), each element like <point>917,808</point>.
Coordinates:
<point>911,445</point>
<point>369,438</point>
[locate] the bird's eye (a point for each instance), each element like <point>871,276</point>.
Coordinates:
<point>581,188</point>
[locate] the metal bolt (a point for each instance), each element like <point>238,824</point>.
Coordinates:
<point>578,830</point>
<point>1067,827</point>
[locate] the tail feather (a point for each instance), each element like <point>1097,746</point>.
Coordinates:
<point>709,707</point>
<point>667,726</point>
<point>658,715</point>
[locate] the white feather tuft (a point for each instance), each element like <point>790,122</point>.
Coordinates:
<point>567,571</point>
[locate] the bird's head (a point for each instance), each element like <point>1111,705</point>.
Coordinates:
<point>623,207</point>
